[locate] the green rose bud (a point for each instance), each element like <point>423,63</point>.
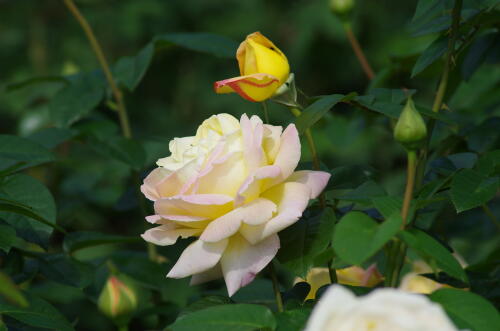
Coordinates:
<point>410,130</point>
<point>341,7</point>
<point>118,299</point>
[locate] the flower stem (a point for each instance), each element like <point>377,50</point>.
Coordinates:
<point>397,252</point>
<point>87,29</point>
<point>276,287</point>
<point>117,94</point>
<point>443,83</point>
<point>332,272</point>
<point>266,112</point>
<point>358,51</point>
<point>123,328</point>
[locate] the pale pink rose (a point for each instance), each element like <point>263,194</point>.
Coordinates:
<point>233,187</point>
<point>384,309</point>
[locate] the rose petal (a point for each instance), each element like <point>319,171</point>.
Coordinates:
<point>289,154</point>
<point>224,176</point>
<point>255,87</point>
<point>252,131</point>
<point>271,141</point>
<point>164,235</point>
<point>198,257</point>
<point>252,186</point>
<point>242,261</point>
<point>291,199</point>
<point>335,299</point>
<point>206,276</point>
<point>153,180</point>
<point>256,212</point>
<point>208,206</point>
<point>316,180</point>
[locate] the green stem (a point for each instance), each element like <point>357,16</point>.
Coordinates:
<point>398,249</point>
<point>117,93</point>
<point>123,328</point>
<point>443,83</point>
<point>276,287</point>
<point>266,112</point>
<point>332,272</point>
<point>96,47</point>
<point>491,216</point>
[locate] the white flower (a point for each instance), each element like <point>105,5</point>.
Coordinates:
<point>384,309</point>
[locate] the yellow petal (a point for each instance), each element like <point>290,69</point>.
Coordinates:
<point>257,54</point>
<point>256,87</point>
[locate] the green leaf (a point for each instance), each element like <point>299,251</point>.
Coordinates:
<point>202,42</point>
<point>7,237</point>
<point>489,163</point>
<point>430,249</point>
<point>77,99</point>
<point>64,269</point>
<point>130,70</point>
<point>293,320</point>
<point>470,189</point>
<point>364,193</point>
<point>22,152</point>
<point>83,239</point>
<point>206,302</point>
<point>51,137</point>
<point>468,310</point>
<point>387,206</point>
<point>237,317</point>
<point>38,314</point>
<point>357,237</point>
<point>35,80</point>
<point>477,53</point>
<point>126,150</point>
<point>302,242</point>
<point>430,55</point>
<point>349,177</point>
<point>10,292</point>
<point>317,110</point>
<point>29,207</point>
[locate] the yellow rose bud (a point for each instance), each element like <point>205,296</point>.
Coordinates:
<point>118,299</point>
<point>263,69</point>
<point>354,276</point>
<point>410,130</point>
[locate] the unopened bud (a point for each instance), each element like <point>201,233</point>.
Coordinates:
<point>342,7</point>
<point>118,299</point>
<point>410,130</point>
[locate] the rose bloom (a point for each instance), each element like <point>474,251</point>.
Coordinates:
<point>384,309</point>
<point>263,69</point>
<point>233,187</point>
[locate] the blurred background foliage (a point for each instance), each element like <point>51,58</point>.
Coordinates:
<point>44,51</point>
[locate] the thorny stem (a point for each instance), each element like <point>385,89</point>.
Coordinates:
<point>117,93</point>
<point>276,287</point>
<point>358,51</point>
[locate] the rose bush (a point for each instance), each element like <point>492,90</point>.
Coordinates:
<point>263,69</point>
<point>233,186</point>
<point>384,309</point>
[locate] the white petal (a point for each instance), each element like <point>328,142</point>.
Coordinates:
<point>206,276</point>
<point>334,299</point>
<point>316,180</point>
<point>198,257</point>
<point>242,261</point>
<point>164,235</point>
